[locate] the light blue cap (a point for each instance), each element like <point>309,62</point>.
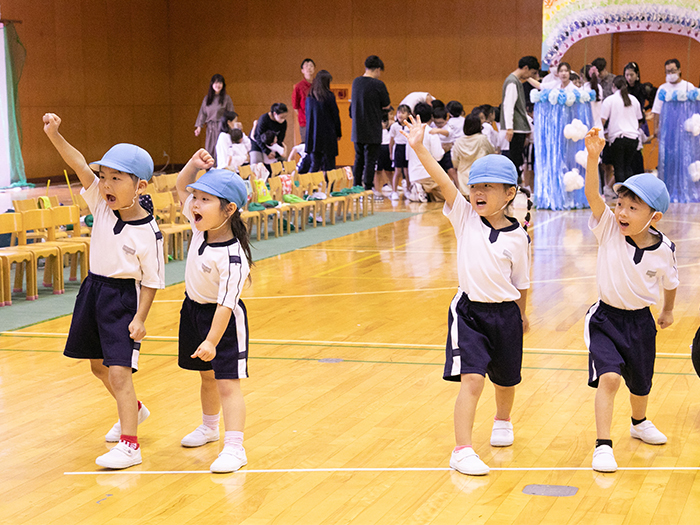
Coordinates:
<point>129,159</point>
<point>648,188</point>
<point>222,183</point>
<point>497,169</point>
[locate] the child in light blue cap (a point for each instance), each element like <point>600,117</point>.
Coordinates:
<point>213,321</point>
<point>635,263</point>
<point>487,318</point>
<point>126,269</point>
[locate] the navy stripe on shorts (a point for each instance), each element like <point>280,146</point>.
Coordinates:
<point>484,338</point>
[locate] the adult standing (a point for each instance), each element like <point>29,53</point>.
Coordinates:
<point>417,97</point>
<point>301,91</point>
<point>636,89</point>
<point>674,82</point>
<point>323,123</point>
<point>513,113</point>
<point>605,78</point>
<point>623,113</point>
<point>211,111</point>
<point>369,98</point>
<point>274,120</point>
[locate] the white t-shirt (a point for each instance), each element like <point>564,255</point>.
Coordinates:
<point>416,171</point>
<point>414,98</point>
<point>622,121</point>
<point>215,273</point>
<point>628,278</point>
<point>683,85</point>
<point>444,139</point>
<point>385,137</point>
<point>457,126</point>
<point>124,249</point>
<point>492,265</point>
<point>491,134</point>
<point>395,133</point>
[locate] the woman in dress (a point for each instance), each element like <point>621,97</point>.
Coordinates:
<point>211,111</point>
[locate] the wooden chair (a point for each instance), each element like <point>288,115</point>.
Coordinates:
<point>334,204</point>
<point>245,171</point>
<point>276,168</point>
<point>290,167</point>
<point>301,209</point>
<point>164,208</point>
<point>250,218</point>
<point>53,268</point>
<point>65,216</point>
<point>338,181</point>
<point>24,205</point>
<point>24,260</point>
<point>265,216</point>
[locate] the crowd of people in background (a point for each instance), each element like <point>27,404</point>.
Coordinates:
<point>386,164</point>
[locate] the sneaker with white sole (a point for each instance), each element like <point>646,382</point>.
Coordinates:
<point>115,432</point>
<point>394,196</point>
<point>467,461</point>
<point>647,432</point>
<point>502,433</point>
<point>121,456</point>
<point>386,190</point>
<point>604,459</point>
<point>230,460</point>
<point>200,436</point>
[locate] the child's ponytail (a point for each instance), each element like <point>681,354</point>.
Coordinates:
<point>240,232</point>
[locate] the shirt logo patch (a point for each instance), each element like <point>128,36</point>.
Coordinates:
<point>651,273</point>
<point>234,259</point>
<point>129,250</point>
<point>508,255</point>
<point>206,269</point>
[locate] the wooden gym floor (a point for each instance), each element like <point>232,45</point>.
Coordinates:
<point>349,420</point>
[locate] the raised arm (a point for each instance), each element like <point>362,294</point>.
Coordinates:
<point>70,155</point>
<point>416,131</point>
<point>201,160</point>
<point>594,145</point>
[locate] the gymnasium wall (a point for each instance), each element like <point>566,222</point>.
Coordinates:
<point>137,70</point>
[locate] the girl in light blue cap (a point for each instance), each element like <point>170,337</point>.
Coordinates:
<point>213,320</point>
<point>487,317</point>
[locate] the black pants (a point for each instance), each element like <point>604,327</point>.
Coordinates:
<point>320,161</point>
<point>516,151</point>
<point>366,156</point>
<point>622,155</point>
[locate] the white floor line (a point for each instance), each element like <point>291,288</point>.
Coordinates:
<point>377,469</point>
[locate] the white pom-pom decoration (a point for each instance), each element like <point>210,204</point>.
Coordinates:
<point>682,96</point>
<point>573,180</point>
<point>575,131</point>
<point>570,98</point>
<point>582,158</point>
<point>585,96</point>
<point>692,125</point>
<point>694,171</point>
<point>553,96</point>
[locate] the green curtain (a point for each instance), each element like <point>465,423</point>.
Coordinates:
<point>15,54</point>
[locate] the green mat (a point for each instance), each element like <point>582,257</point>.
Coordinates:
<point>24,313</point>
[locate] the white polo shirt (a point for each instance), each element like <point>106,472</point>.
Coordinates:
<point>492,265</point>
<point>457,126</point>
<point>215,273</point>
<point>682,85</point>
<point>124,249</point>
<point>395,133</point>
<point>629,277</point>
<point>623,121</point>
<point>416,171</point>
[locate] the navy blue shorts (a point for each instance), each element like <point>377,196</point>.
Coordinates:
<point>384,160</point>
<point>231,361</point>
<point>103,310</point>
<point>623,342</point>
<point>400,160</point>
<point>446,161</point>
<point>484,338</point>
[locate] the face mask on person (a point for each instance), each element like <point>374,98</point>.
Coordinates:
<point>672,78</point>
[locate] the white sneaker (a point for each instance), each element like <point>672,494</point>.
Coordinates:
<point>121,456</point>
<point>200,436</point>
<point>604,459</point>
<point>230,460</point>
<point>422,196</point>
<point>467,461</point>
<point>647,432</point>
<point>386,190</point>
<point>116,432</point>
<point>502,433</point>
<point>394,196</point>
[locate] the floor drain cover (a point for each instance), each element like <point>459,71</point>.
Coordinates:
<point>550,490</point>
<point>330,360</point>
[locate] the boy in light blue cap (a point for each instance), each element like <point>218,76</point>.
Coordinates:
<point>635,262</point>
<point>487,318</point>
<point>213,320</point>
<point>126,269</point>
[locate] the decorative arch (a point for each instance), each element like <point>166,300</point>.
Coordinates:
<point>565,22</point>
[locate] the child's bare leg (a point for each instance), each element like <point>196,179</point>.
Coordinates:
<point>209,394</point>
<point>608,384</point>
<point>233,404</point>
<point>639,406</point>
<point>465,407</point>
<point>120,377</point>
<point>505,396</point>
<point>395,179</point>
<point>102,373</point>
